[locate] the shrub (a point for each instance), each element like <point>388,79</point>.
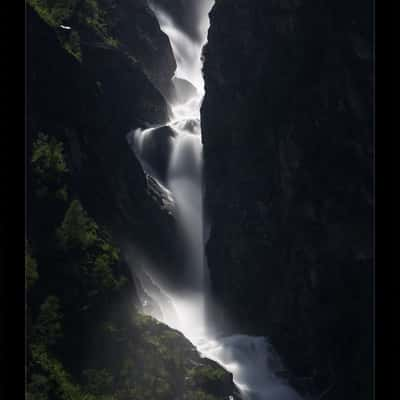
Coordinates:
<point>77,229</point>
<point>73,45</point>
<point>96,256</point>
<point>49,167</point>
<point>207,376</point>
<point>48,327</point>
<point>62,386</point>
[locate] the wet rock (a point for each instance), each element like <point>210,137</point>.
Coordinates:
<point>156,148</point>
<point>161,195</point>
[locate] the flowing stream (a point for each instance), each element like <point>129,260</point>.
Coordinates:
<point>251,360</point>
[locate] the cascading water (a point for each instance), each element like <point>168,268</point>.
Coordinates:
<point>247,358</point>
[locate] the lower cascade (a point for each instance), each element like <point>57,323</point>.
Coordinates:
<point>251,360</point>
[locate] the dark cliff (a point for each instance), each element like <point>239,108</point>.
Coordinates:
<point>90,98</point>
<point>288,149</point>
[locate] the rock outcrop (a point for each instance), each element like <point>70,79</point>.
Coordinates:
<point>288,149</point>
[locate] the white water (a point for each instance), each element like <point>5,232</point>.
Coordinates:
<point>248,358</point>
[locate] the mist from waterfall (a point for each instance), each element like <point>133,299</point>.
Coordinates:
<point>247,358</point>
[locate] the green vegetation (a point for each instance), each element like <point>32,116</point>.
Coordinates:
<point>88,17</point>
<point>96,256</point>
<point>93,16</point>
<point>47,158</point>
<point>30,268</point>
<point>86,341</point>
<point>84,259</point>
<point>55,379</point>
<point>48,378</point>
<point>49,167</point>
<point>199,395</point>
<point>205,375</point>
<point>73,45</point>
<point>54,12</point>
<point>77,230</point>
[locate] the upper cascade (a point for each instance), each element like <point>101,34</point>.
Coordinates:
<point>188,55</point>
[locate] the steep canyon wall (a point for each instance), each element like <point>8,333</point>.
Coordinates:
<point>288,150</point>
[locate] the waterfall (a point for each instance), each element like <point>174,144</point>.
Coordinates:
<point>247,358</point>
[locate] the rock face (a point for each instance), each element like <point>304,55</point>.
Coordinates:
<point>288,150</point>
<point>90,105</point>
<point>135,26</point>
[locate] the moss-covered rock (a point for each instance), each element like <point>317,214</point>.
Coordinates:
<point>165,365</point>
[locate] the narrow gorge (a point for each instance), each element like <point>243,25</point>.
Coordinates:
<point>247,358</point>
<point>200,200</point>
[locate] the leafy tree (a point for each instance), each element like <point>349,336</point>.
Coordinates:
<point>92,257</point>
<point>77,230</point>
<point>61,385</point>
<point>49,167</point>
<point>48,327</point>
